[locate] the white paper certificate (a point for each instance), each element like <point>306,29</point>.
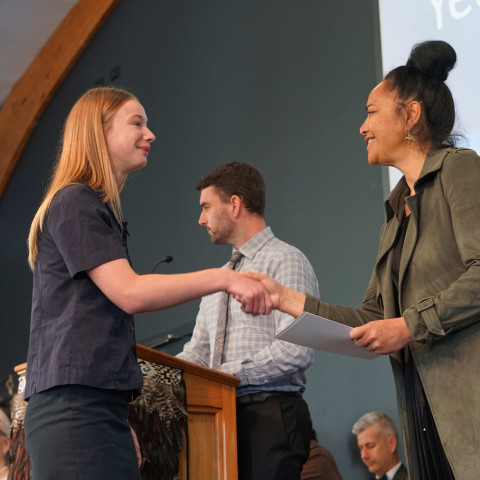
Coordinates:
<point>317,332</point>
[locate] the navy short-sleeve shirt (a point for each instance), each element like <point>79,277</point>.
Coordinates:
<point>77,335</point>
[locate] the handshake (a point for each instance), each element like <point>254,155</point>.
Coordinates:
<point>259,294</point>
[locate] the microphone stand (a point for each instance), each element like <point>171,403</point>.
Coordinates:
<point>166,259</point>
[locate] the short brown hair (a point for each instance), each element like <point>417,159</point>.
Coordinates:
<point>237,178</point>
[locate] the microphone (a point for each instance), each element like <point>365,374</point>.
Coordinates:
<point>166,259</point>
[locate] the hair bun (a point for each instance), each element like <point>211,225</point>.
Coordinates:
<point>434,58</point>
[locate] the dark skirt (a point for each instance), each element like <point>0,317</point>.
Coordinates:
<point>80,433</point>
<point>426,457</point>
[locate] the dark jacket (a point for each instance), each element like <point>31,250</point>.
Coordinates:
<point>401,473</point>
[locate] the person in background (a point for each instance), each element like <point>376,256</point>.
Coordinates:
<point>320,464</point>
<point>377,442</point>
<point>4,444</point>
<point>82,368</point>
<point>273,420</point>
<point>422,305</point>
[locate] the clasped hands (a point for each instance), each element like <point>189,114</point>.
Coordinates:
<point>251,293</point>
<point>379,336</point>
<point>263,294</point>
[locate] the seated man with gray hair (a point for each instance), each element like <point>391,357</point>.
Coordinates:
<point>377,442</point>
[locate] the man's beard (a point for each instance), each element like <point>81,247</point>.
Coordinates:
<point>223,231</point>
<point>219,237</point>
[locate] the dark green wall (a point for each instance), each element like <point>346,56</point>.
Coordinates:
<point>282,84</point>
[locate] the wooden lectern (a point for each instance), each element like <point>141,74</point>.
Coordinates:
<point>212,424</point>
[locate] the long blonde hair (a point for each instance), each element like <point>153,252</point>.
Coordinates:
<point>84,157</point>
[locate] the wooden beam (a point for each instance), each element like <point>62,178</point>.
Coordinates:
<point>31,94</point>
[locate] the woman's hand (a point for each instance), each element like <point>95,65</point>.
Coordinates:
<point>283,298</point>
<point>382,336</point>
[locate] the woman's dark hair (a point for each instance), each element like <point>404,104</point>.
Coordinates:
<point>423,79</point>
<point>237,178</point>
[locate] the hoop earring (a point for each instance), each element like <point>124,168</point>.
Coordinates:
<point>410,137</point>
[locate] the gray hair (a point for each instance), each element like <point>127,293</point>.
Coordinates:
<point>382,419</point>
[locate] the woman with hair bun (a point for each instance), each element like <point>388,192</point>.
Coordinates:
<point>82,367</point>
<point>425,285</point>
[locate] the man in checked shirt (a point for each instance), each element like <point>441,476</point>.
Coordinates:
<point>273,421</point>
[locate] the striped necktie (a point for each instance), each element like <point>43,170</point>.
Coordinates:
<point>222,318</point>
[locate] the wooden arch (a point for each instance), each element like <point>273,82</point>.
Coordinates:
<point>31,94</point>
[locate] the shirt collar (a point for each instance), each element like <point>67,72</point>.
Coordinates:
<point>391,473</point>
<point>257,242</point>
<point>395,202</point>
